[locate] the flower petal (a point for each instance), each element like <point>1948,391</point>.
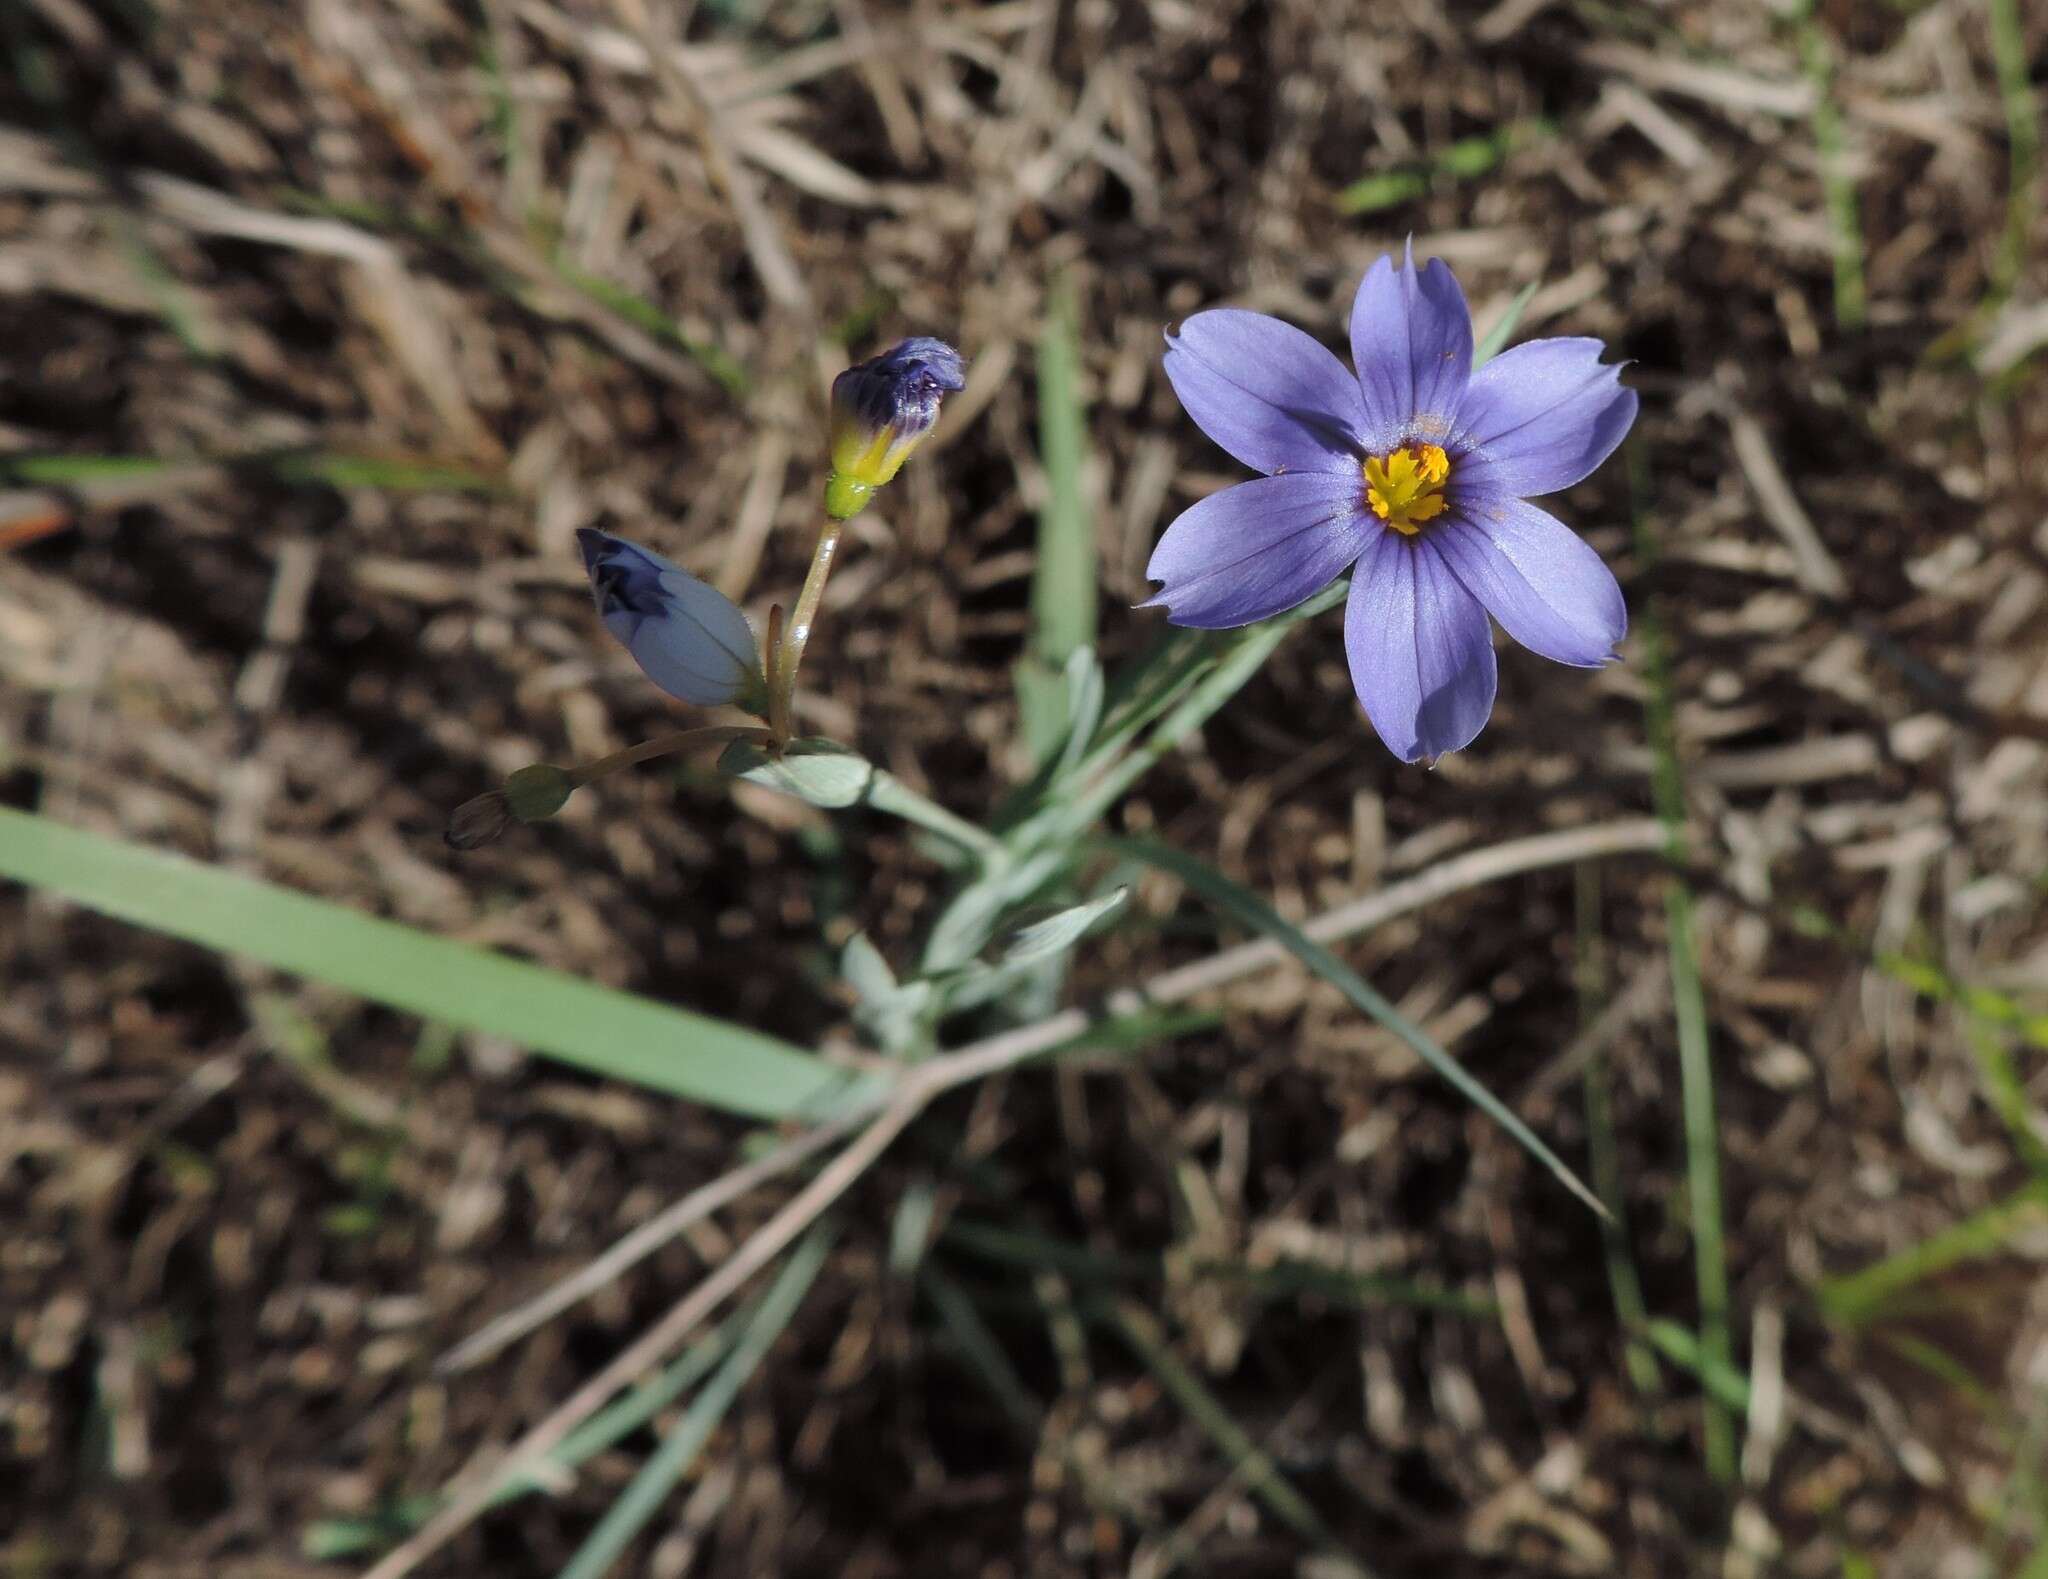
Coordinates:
<point>1540,416</point>
<point>1411,336</point>
<point>1273,397</point>
<point>1257,549</point>
<point>688,638</point>
<point>1421,651</point>
<point>1536,576</point>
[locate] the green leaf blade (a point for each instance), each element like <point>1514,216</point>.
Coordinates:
<point>608,1033</point>
<point>1248,910</point>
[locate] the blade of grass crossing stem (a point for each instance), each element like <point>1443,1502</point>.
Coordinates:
<point>643,1498</point>
<point>1689,1009</point>
<point>608,1033</point>
<point>1603,1155</point>
<point>1252,912</point>
<point>1063,580</point>
<point>1247,1459</point>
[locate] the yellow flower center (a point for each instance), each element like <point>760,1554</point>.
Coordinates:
<point>1406,487</point>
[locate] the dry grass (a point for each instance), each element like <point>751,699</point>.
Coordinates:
<point>527,267</point>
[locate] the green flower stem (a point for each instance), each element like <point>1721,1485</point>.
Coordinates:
<point>798,631</point>
<point>663,746</point>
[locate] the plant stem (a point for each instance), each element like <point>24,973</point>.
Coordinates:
<point>801,618</point>
<point>662,746</point>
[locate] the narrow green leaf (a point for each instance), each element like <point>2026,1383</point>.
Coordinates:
<point>1141,1331</point>
<point>970,920</point>
<point>1056,934</point>
<point>643,314</point>
<point>1360,1290</point>
<point>1495,340</point>
<point>1688,1005</point>
<point>643,1498</point>
<point>594,1028</point>
<point>1386,189</point>
<point>1063,583</point>
<point>1085,694</point>
<point>1860,1297</point>
<point>975,1344</point>
<point>1724,1383</point>
<point>1250,911</point>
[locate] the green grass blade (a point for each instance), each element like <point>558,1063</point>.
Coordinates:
<point>1496,339</point>
<point>1063,587</point>
<point>328,1539</point>
<point>643,314</point>
<point>1248,1460</point>
<point>1838,184</point>
<point>1063,590</point>
<point>1689,1008</point>
<point>1336,1286</point>
<point>642,1499</point>
<point>621,1418</point>
<point>609,1033</point>
<point>1248,910</point>
<point>2009,57</point>
<point>978,1348</point>
<point>1722,1382</point>
<point>1860,1297</point>
<point>1603,1150</point>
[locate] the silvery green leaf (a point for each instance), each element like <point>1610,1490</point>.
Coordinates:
<point>820,772</point>
<point>967,924</point>
<point>1058,933</point>
<point>891,1012</point>
<point>866,972</point>
<point>910,1234</point>
<point>898,1022</point>
<point>1085,692</point>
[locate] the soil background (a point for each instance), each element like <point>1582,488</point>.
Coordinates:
<point>324,326</point>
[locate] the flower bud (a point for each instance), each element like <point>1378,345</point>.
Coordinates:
<point>688,638</point>
<point>536,793</point>
<point>881,411</point>
<point>476,823</point>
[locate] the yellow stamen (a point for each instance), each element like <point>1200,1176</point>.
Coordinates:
<point>1405,487</point>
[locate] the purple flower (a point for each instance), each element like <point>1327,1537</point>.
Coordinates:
<point>688,638</point>
<point>881,411</point>
<point>1411,475</point>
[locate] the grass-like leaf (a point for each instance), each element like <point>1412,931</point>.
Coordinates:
<point>1689,1009</point>
<point>1495,340</point>
<point>1248,910</point>
<point>1248,1460</point>
<point>606,1032</point>
<point>658,1476</point>
<point>1859,1298</point>
<point>1063,594</point>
